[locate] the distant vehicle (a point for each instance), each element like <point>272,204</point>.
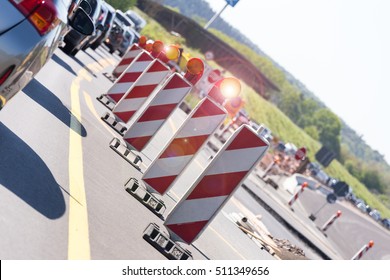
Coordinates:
<point>375,215</point>
<point>120,37</point>
<point>124,19</point>
<point>107,25</point>
<point>30,31</point>
<point>128,39</point>
<point>386,223</point>
<point>362,207</point>
<point>137,19</point>
<point>75,40</point>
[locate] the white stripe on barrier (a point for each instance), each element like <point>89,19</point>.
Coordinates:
<point>170,96</point>
<point>120,88</point>
<point>167,166</point>
<point>231,156</point>
<point>129,104</point>
<point>197,209</point>
<point>200,126</point>
<point>144,128</point>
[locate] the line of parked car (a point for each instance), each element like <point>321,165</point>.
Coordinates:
<point>31,30</point>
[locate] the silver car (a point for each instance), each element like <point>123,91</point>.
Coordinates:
<point>30,31</point>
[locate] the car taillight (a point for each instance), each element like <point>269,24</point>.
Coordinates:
<point>41,13</point>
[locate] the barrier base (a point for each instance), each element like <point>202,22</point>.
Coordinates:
<point>112,78</point>
<point>126,153</point>
<point>106,101</point>
<point>114,123</point>
<point>166,246</point>
<point>151,202</point>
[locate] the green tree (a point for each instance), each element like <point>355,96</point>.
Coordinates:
<point>122,5</point>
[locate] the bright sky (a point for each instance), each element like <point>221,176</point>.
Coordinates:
<point>340,49</point>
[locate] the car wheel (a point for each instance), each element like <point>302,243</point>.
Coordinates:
<point>94,46</point>
<point>74,52</point>
<point>68,48</point>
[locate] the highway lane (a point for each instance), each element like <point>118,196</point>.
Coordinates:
<point>61,186</point>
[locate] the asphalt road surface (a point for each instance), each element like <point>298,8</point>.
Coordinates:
<point>62,193</point>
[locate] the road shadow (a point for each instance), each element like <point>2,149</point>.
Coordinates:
<point>87,53</point>
<point>62,63</point>
<point>25,174</point>
<point>44,97</point>
<point>84,66</point>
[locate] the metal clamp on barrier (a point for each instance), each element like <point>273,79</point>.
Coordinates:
<point>112,122</point>
<point>151,202</point>
<point>164,244</point>
<point>110,77</point>
<point>132,158</point>
<point>106,101</point>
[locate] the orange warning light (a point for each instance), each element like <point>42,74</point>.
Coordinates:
<point>158,46</point>
<point>230,87</point>
<point>172,52</point>
<point>142,40</point>
<point>195,66</point>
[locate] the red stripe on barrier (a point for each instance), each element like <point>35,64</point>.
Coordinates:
<point>208,108</point>
<point>145,57</point>
<point>246,139</point>
<point>138,142</point>
<point>125,116</point>
<point>134,48</point>
<point>176,82</point>
<point>140,91</point>
<point>126,61</point>
<point>159,112</point>
<point>184,146</point>
<point>116,96</point>
<point>129,77</point>
<point>157,67</point>
<point>217,185</point>
<point>160,184</point>
<point>188,231</point>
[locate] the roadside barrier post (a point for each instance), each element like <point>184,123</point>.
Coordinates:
<point>213,187</point>
<point>331,220</point>
<point>297,194</point>
<point>363,250</point>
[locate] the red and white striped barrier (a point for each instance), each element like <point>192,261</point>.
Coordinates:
<point>297,194</point>
<point>363,250</point>
<point>158,111</point>
<point>127,59</point>
<point>217,183</point>
<point>140,90</point>
<point>331,220</point>
<point>126,80</point>
<point>187,141</point>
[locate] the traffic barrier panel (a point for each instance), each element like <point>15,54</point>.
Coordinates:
<point>216,184</point>
<point>138,94</point>
<point>331,220</point>
<point>127,59</point>
<point>297,194</point>
<point>363,250</point>
<point>180,150</point>
<point>160,108</point>
<point>190,137</point>
<point>126,80</point>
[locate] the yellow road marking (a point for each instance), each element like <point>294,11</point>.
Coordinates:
<point>78,238</point>
<point>78,232</point>
<point>92,109</point>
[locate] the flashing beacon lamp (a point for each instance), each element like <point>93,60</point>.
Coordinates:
<point>194,71</point>
<point>149,47</point>
<point>142,41</point>
<point>225,88</point>
<point>157,47</point>
<point>171,52</point>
